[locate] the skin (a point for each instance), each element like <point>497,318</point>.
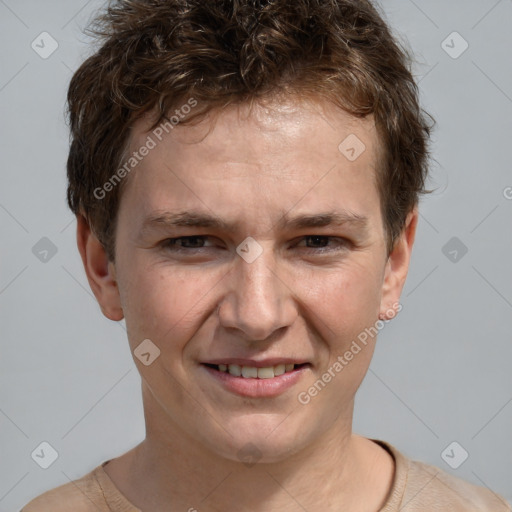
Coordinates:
<point>252,165</point>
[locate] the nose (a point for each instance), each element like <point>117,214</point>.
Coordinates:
<point>259,301</point>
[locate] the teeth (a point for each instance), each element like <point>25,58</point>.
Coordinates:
<point>234,369</point>
<point>265,373</point>
<point>251,372</point>
<point>279,369</point>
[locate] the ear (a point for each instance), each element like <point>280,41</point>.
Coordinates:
<point>100,271</point>
<point>397,267</point>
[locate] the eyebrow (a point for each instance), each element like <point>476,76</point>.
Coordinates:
<point>194,219</point>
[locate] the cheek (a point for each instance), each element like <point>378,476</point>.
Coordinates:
<point>346,306</point>
<point>346,301</point>
<point>165,304</point>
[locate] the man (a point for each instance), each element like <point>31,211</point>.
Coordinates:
<point>245,176</point>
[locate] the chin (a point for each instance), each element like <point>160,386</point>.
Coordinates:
<point>261,438</point>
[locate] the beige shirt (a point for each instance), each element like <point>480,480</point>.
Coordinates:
<point>417,487</point>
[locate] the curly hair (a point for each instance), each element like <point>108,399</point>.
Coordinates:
<point>154,54</point>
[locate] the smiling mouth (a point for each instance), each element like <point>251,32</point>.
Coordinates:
<point>251,372</point>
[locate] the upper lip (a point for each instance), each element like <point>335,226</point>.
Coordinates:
<point>263,363</point>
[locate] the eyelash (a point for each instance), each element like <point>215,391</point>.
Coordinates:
<point>171,243</point>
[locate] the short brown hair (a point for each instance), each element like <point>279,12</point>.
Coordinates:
<point>153,54</point>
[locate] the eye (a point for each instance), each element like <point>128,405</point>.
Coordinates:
<point>313,243</point>
<point>320,243</point>
<point>186,242</point>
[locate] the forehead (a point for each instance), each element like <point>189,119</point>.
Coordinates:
<point>269,120</point>
<point>266,154</point>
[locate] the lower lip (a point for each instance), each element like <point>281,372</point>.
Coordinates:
<point>257,388</point>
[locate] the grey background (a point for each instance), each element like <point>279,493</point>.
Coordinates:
<point>441,372</point>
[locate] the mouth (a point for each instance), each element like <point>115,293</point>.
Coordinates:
<point>253,372</point>
<point>266,380</point>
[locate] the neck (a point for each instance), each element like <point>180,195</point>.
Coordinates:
<point>339,471</point>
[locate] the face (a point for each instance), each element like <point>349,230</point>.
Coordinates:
<point>283,306</point>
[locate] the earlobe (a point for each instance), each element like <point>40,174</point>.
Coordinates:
<point>99,270</point>
<point>397,267</point>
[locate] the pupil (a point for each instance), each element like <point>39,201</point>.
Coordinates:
<point>190,241</point>
<point>319,240</point>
